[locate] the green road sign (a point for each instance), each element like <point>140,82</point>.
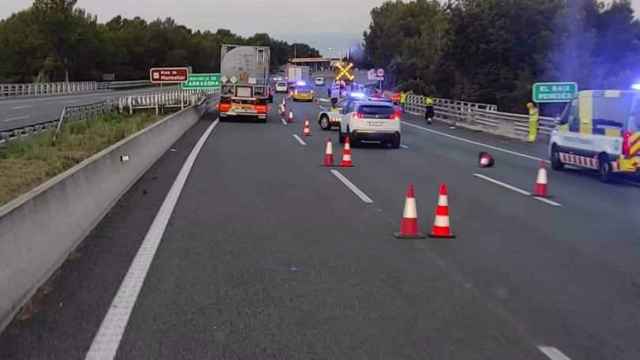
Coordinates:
<point>202,81</point>
<point>554,92</point>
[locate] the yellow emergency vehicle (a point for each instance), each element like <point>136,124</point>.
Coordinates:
<point>599,130</point>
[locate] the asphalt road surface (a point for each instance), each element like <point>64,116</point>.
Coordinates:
<point>18,112</point>
<point>268,255</point>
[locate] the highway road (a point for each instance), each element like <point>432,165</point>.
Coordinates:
<point>18,112</point>
<point>268,255</point>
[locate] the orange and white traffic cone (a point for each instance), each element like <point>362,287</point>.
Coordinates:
<point>328,154</point>
<point>542,181</point>
<point>307,128</point>
<point>409,227</point>
<point>441,227</point>
<point>346,154</point>
<point>290,116</point>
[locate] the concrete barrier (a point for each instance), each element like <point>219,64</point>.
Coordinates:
<point>41,228</point>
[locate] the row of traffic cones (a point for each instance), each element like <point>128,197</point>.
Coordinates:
<point>346,154</point>
<point>409,226</point>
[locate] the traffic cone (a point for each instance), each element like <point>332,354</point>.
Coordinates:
<point>486,160</point>
<point>290,119</point>
<point>307,129</point>
<point>346,154</point>
<point>441,227</point>
<point>542,181</point>
<point>328,154</point>
<point>409,227</point>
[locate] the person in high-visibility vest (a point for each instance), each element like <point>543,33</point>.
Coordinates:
<point>403,99</point>
<point>429,113</point>
<point>534,118</point>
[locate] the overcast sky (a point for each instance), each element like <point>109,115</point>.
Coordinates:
<point>322,23</point>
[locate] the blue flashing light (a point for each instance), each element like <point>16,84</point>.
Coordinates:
<point>358,95</point>
<point>636,86</point>
<point>301,83</point>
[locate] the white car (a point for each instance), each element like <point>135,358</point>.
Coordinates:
<point>372,121</point>
<point>281,87</point>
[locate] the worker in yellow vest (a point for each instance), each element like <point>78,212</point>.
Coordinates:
<point>403,99</point>
<point>429,112</point>
<point>534,118</point>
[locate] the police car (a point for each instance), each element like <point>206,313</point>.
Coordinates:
<point>370,120</point>
<point>599,130</point>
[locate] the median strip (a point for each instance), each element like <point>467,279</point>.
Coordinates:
<point>516,189</point>
<point>359,193</point>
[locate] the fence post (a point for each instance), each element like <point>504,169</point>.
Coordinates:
<point>130,105</point>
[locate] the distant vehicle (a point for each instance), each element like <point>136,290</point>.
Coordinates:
<point>600,130</point>
<point>278,78</point>
<point>302,92</point>
<point>245,82</point>
<point>319,81</point>
<point>281,87</point>
<point>297,73</point>
<point>370,120</point>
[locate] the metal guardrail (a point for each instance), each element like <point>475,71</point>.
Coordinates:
<point>163,99</point>
<point>480,117</point>
<point>62,88</point>
<point>154,100</point>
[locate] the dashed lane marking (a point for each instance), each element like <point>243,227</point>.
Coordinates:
<point>300,140</point>
<point>352,187</point>
<point>553,353</point>
<point>516,189</point>
<point>404,146</point>
<point>284,122</point>
<point>106,342</point>
<point>506,151</point>
<point>21,107</point>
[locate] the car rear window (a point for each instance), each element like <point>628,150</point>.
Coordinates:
<point>376,110</point>
<point>280,84</point>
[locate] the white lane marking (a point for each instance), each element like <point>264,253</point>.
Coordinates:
<point>476,142</point>
<point>352,187</point>
<point>16,118</point>
<point>547,201</point>
<point>72,101</point>
<point>106,342</point>
<point>300,140</point>
<point>404,146</point>
<point>284,122</point>
<point>553,353</point>
<point>516,189</point>
<point>21,107</point>
<point>504,185</point>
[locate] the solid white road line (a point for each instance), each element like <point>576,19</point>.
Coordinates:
<point>106,342</point>
<point>547,201</point>
<point>516,189</point>
<point>300,140</point>
<point>553,353</point>
<point>506,151</point>
<point>16,118</point>
<point>21,107</point>
<point>352,187</point>
<point>284,122</point>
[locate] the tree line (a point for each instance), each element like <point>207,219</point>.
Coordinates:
<point>494,50</point>
<point>53,40</point>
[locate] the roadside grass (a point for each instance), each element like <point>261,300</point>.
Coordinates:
<point>27,163</point>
